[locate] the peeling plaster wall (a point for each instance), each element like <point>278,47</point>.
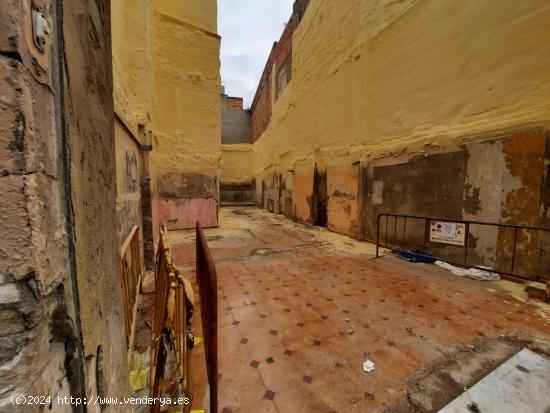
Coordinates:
<point>498,180</point>
<point>129,170</point>
<point>406,80</point>
<point>237,181</point>
<point>185,109</point>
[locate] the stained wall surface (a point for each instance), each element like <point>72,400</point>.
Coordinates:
<point>129,170</point>
<point>60,311</point>
<point>37,313</point>
<point>237,180</point>
<point>167,88</point>
<point>408,84</point>
<point>89,113</point>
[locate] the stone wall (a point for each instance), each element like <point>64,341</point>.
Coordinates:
<point>37,314</point>
<point>60,311</point>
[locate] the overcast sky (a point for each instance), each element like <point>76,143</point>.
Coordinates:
<point>248,29</point>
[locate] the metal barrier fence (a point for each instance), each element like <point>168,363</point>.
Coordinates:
<point>172,324</point>
<point>398,237</point>
<point>208,291</point>
<point>132,266</point>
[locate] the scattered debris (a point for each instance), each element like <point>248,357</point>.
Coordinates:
<point>473,407</point>
<point>138,379</point>
<point>538,291</point>
<point>473,273</point>
<point>368,366</point>
<point>415,256</point>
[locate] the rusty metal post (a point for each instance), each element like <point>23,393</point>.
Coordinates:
<point>208,292</point>
<point>467,240</point>
<point>378,235</point>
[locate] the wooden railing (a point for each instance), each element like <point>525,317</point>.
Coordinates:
<point>172,324</point>
<point>132,267</point>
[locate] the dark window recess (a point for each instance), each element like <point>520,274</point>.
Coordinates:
<point>284,74</point>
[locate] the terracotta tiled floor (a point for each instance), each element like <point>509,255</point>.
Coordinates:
<point>300,309</point>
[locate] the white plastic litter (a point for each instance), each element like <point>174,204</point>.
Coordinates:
<point>368,366</point>
<point>473,273</point>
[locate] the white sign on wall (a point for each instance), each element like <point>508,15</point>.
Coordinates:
<point>453,233</point>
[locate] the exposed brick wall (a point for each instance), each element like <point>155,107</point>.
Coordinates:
<point>299,9</point>
<point>261,105</point>
<point>232,102</point>
<point>284,45</point>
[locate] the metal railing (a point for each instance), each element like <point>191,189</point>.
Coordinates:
<point>208,291</point>
<point>398,238</point>
<point>132,266</point>
<point>172,324</point>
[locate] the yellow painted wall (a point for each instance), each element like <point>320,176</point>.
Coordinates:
<point>166,59</point>
<point>385,78</point>
<point>185,106</point>
<point>199,13</point>
<point>237,163</point>
<point>131,61</point>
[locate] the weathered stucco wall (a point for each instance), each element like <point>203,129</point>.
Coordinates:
<point>129,170</point>
<point>237,163</point>
<point>131,61</point>
<point>185,112</point>
<point>89,116</point>
<point>237,181</point>
<point>409,83</point>
<point>167,90</point>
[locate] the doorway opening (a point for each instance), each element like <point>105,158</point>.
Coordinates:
<point>319,198</point>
